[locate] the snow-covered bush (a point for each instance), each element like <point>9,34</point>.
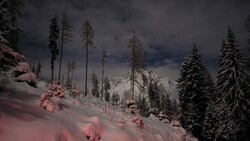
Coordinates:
<point>56,90</point>
<point>137,120</point>
<point>74,92</point>
<point>163,117</point>
<point>8,57</point>
<point>46,103</point>
<point>131,106</point>
<point>153,111</point>
<point>51,100</point>
<point>175,123</point>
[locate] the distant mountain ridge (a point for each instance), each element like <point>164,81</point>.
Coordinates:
<point>122,84</point>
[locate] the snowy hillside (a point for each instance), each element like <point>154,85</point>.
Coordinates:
<point>22,119</point>
<point>123,83</point>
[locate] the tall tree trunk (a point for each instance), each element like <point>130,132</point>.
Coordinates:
<point>133,69</point>
<point>72,72</point>
<point>102,77</point>
<point>52,71</point>
<point>61,54</point>
<point>86,75</point>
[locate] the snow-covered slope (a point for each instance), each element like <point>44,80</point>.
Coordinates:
<point>22,119</point>
<point>123,83</point>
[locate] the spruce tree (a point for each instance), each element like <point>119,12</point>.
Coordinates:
<point>232,90</point>
<point>95,85</point>
<point>53,38</point>
<point>193,97</point>
<point>65,32</point>
<point>87,40</point>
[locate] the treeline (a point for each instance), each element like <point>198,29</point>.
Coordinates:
<point>220,111</point>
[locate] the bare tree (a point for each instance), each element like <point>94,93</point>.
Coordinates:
<point>87,40</point>
<point>65,32</point>
<point>137,59</point>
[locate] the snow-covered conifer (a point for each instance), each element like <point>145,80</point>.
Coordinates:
<point>193,95</point>
<point>232,89</point>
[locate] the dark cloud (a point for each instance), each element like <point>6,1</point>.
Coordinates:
<point>166,28</point>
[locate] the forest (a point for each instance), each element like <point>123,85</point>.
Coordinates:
<point>209,107</point>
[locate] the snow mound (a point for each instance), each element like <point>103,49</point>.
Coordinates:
<point>27,77</point>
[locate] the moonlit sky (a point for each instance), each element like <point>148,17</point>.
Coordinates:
<point>167,30</point>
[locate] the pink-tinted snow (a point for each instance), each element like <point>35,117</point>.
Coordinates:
<point>22,119</point>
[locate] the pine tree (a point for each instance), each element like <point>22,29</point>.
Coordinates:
<point>193,97</point>
<point>53,37</point>
<point>14,10</point>
<point>137,59</point>
<point>95,85</point>
<point>107,88</point>
<point>232,89</point>
<point>87,40</point>
<point>65,32</point>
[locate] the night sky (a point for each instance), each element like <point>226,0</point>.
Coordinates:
<point>167,30</point>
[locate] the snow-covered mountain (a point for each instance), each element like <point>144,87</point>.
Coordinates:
<point>122,84</point>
